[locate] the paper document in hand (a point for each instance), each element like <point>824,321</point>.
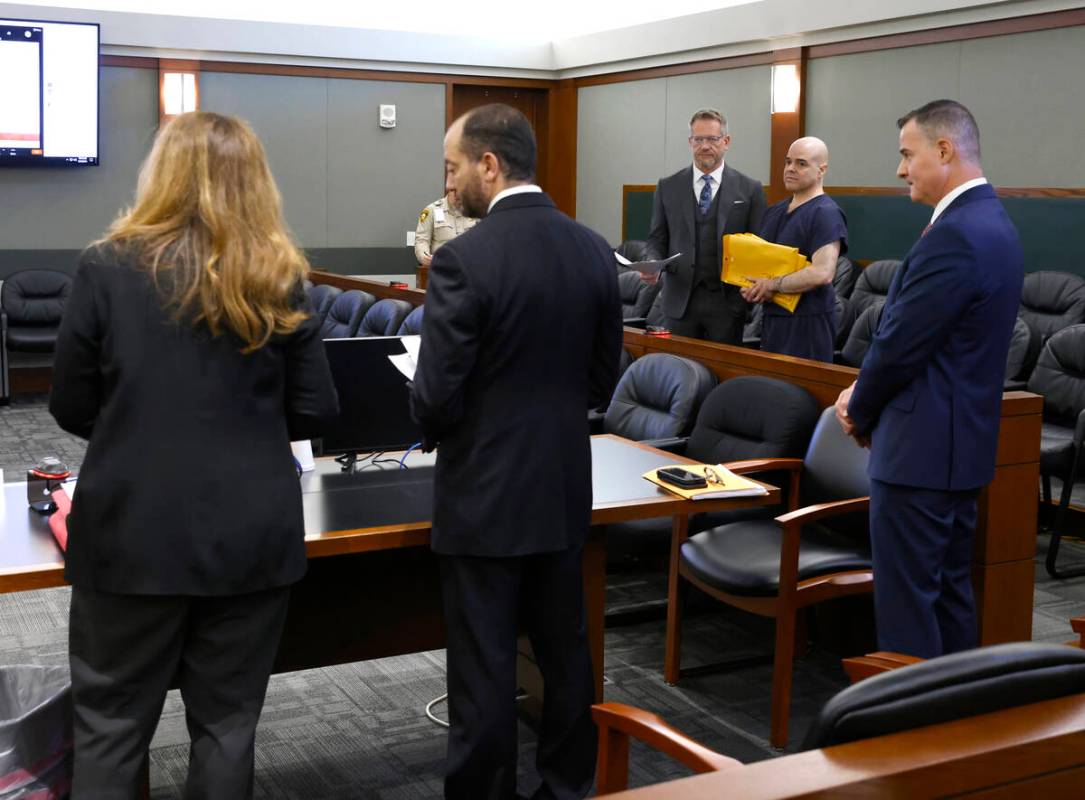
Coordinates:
<point>645,267</point>
<point>407,362</point>
<point>721,483</point>
<point>747,258</point>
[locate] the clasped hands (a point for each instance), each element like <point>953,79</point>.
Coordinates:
<point>846,422</point>
<point>760,290</point>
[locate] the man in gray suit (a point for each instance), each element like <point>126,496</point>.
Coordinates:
<point>691,211</point>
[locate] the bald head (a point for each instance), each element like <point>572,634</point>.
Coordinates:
<point>804,167</point>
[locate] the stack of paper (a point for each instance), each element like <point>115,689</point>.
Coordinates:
<point>747,257</point>
<point>731,485</point>
<point>645,267</point>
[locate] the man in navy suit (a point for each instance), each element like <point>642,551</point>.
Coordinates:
<point>520,338</point>
<point>928,398</point>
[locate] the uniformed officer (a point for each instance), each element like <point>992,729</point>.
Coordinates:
<point>440,222</point>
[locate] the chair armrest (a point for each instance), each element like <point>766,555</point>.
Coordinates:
<point>764,465</point>
<point>617,722</point>
<point>635,322</point>
<point>752,342</point>
<point>1078,624</point>
<point>804,516</point>
<point>672,444</point>
<point>862,667</point>
<point>1079,428</point>
<point>1015,386</point>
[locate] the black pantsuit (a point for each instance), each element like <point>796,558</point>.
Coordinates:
<point>126,652</point>
<point>484,599</point>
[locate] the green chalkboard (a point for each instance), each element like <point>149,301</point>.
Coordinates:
<point>885,226</point>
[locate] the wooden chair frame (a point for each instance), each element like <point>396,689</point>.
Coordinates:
<point>793,596</point>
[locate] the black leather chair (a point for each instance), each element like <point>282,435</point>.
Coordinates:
<point>747,417</point>
<point>345,314</point>
<point>637,296</point>
<point>1050,301</point>
<point>597,415</point>
<point>31,305</point>
<point>1017,357</point>
<point>1059,376</point>
<point>412,323</point>
<point>873,285</point>
<point>974,682</point>
<point>845,277</point>
<point>384,317</point>
<point>751,332</point>
<point>862,334</point>
<point>776,568</point>
<point>321,297</point>
<point>633,250</point>
<point>657,398</point>
<point>655,313</point>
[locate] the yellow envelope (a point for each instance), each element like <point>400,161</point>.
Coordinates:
<point>746,255</point>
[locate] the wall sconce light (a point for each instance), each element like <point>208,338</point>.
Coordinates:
<point>178,93</point>
<point>785,88</point>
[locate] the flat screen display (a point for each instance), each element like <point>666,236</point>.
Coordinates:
<point>48,93</point>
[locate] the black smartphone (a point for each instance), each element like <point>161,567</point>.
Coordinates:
<point>676,476</point>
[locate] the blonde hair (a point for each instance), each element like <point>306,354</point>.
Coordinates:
<point>207,224</point>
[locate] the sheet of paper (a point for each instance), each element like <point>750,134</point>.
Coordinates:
<point>412,344</point>
<point>405,364</point>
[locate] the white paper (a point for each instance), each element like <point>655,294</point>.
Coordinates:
<point>645,267</point>
<point>405,364</point>
<point>412,344</point>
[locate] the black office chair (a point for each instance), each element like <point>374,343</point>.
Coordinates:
<point>873,284</point>
<point>1050,301</point>
<point>778,567</point>
<point>862,334</point>
<point>1016,376</point>
<point>345,314</point>
<point>637,296</point>
<point>747,417</point>
<point>751,331</point>
<point>31,305</point>
<point>655,313</point>
<point>633,250</point>
<point>845,277</point>
<point>1059,376</point>
<point>657,399</point>
<point>384,317</point>
<point>974,682</point>
<point>321,297</point>
<point>412,323</point>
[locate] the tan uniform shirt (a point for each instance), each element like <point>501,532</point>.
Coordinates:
<point>438,223</point>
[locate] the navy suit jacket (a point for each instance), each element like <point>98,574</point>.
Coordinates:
<point>929,392</point>
<point>674,226</point>
<point>521,336</point>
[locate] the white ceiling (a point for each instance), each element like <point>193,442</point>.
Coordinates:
<point>544,38</point>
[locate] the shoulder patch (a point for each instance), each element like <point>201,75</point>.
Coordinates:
<point>423,215</point>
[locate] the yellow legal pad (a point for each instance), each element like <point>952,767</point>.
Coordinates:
<point>732,485</point>
<point>746,255</point>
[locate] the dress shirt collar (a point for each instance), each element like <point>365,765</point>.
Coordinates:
<point>943,204</point>
<point>524,188</point>
<point>717,176</point>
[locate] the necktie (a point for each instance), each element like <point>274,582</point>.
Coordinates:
<point>706,196</point>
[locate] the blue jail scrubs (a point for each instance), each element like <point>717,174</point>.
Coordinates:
<point>810,331</point>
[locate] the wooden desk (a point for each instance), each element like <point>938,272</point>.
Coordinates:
<point>1003,568</point>
<point>373,588</point>
<point>1031,751</point>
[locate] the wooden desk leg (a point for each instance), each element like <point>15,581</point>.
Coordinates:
<point>673,655</point>
<point>595,564</point>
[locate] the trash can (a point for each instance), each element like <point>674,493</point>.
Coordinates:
<point>35,732</point>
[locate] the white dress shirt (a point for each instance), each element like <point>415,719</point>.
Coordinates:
<point>943,204</point>
<point>522,189</point>
<point>698,181</point>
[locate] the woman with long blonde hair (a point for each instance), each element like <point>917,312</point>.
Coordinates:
<point>188,358</point>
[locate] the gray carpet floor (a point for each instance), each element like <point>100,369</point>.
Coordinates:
<point>359,731</point>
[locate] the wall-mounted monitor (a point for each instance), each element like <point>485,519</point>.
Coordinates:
<point>49,93</point>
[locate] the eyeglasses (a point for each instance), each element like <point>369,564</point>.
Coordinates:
<point>697,140</point>
<point>711,476</point>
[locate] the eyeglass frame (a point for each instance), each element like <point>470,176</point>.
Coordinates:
<point>711,476</point>
<point>699,140</point>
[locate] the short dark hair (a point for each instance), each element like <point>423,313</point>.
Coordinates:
<point>948,119</point>
<point>502,130</point>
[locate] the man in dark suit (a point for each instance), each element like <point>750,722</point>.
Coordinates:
<point>691,211</point>
<point>521,337</point>
<point>928,397</point>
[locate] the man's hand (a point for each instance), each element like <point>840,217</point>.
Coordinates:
<point>761,291</point>
<point>427,260</point>
<point>842,401</point>
<point>650,277</point>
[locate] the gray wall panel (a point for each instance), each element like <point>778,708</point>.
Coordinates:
<point>1028,96</point>
<point>855,100</point>
<point>742,95</point>
<point>620,139</point>
<point>290,116</point>
<point>380,179</point>
<point>46,208</point>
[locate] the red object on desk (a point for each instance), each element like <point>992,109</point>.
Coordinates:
<point>662,334</point>
<point>58,520</point>
<point>398,285</point>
